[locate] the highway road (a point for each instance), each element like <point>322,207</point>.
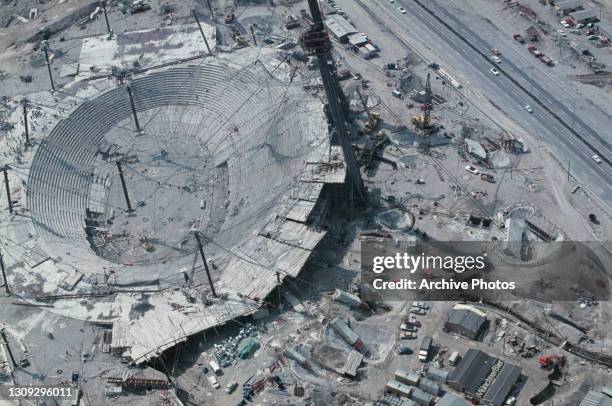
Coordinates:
<point>570,139</point>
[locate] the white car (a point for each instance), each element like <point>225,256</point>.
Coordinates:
<point>496,59</point>
<point>510,401</point>
<point>562,33</point>
<point>579,26</point>
<point>391,1</point>
<point>471,169</point>
<point>564,23</point>
<point>402,10</point>
<point>528,108</point>
<point>596,158</point>
<point>494,71</point>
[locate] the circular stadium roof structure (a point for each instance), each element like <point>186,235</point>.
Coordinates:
<point>233,148</point>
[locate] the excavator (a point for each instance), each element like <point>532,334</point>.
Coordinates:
<point>550,361</point>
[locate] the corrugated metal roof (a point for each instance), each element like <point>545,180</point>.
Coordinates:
<point>339,26</point>
<point>437,374</point>
<point>584,14</point>
<point>593,398</point>
<point>503,383</point>
<point>407,377</point>
<point>399,387</point>
<point>421,397</point>
<point>475,367</point>
<point>467,318</point>
<point>568,4</point>
<point>429,386</point>
<point>451,400</point>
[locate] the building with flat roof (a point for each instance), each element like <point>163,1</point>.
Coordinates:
<point>484,378</point>
<point>339,27</point>
<point>451,400</point>
<point>564,7</point>
<point>466,321</point>
<point>594,398</point>
<point>585,16</point>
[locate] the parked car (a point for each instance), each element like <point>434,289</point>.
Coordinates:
<point>596,158</point>
<point>231,387</point>
<point>496,59</point>
<point>408,327</point>
<point>408,335</point>
<point>494,71</point>
<point>487,178</point>
<point>404,351</point>
<point>528,108</point>
<point>402,10</point>
<point>472,170</point>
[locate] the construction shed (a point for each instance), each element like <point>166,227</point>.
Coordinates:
<point>466,321</point>
<point>409,378</point>
<point>358,39</point>
<point>398,388</point>
<point>484,378</point>
<point>564,7</point>
<point>353,361</point>
<point>585,16</point>
<point>429,386</point>
<point>451,400</point>
<point>437,374</point>
<point>339,27</point>
<point>422,398</point>
<point>594,398</point>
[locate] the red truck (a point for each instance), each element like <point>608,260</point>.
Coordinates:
<point>546,60</point>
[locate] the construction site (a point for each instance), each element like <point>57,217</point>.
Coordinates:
<point>188,188</point>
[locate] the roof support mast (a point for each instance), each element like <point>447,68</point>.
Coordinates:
<point>316,41</point>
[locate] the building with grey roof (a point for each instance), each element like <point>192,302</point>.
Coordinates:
<point>339,27</point>
<point>585,16</point>
<point>466,321</point>
<point>484,378</point>
<point>593,398</point>
<point>451,400</point>
<point>563,7</point>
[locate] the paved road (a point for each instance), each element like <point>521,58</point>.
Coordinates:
<point>509,91</point>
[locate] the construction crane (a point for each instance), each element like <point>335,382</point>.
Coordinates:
<point>423,121</point>
<point>373,116</point>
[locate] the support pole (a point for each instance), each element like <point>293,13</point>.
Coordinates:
<point>3,269</point>
<point>8,189</point>
<point>8,348</point>
<point>25,121</point>
<point>278,285</point>
<point>108,28</point>
<point>253,35</point>
<point>195,15</point>
<point>210,282</point>
<point>45,45</point>
<point>129,90</point>
<point>125,192</point>
<point>212,15</point>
